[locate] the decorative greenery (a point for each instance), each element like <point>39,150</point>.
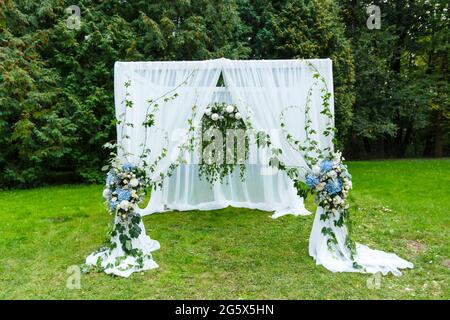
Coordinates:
<point>223,121</point>
<point>124,190</point>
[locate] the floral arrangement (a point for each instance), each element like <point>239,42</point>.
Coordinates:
<point>124,189</point>
<point>331,182</point>
<point>222,111</point>
<point>222,117</point>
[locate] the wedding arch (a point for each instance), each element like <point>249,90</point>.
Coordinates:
<point>276,117</point>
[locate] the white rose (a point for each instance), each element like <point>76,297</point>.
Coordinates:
<point>208,111</point>
<point>106,193</point>
<point>215,117</point>
<point>332,174</point>
<point>316,170</point>
<point>134,182</point>
<point>338,200</point>
<point>230,108</point>
<point>124,204</point>
<point>237,115</point>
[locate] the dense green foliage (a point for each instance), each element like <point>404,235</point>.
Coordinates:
<point>402,79</point>
<point>56,83</point>
<point>233,253</point>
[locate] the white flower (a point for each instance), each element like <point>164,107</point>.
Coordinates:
<point>230,108</point>
<point>113,199</point>
<point>134,182</point>
<point>320,186</point>
<point>348,184</point>
<point>332,174</point>
<point>125,181</point>
<point>237,115</point>
<point>316,170</point>
<point>106,193</point>
<point>337,156</point>
<point>208,111</point>
<point>134,194</point>
<point>338,200</point>
<point>124,204</point>
<point>215,116</point>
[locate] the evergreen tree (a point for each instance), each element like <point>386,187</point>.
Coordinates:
<point>305,29</point>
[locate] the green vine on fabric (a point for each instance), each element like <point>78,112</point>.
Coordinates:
<point>330,181</point>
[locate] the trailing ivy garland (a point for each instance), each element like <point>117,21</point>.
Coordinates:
<point>222,121</point>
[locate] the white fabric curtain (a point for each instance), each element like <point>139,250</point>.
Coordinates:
<point>265,88</point>
<point>262,189</point>
<point>193,81</point>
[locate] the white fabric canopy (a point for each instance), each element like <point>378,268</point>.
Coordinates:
<point>261,90</point>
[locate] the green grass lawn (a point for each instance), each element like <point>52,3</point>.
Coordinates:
<point>398,206</point>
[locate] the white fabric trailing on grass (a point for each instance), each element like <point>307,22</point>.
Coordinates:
<point>338,260</point>
<point>106,258</point>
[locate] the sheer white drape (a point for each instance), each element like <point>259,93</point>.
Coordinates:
<point>265,88</point>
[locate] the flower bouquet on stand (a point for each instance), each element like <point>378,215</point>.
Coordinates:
<point>128,248</point>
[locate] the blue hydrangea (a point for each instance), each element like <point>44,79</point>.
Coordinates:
<point>123,194</point>
<point>127,166</point>
<point>113,205</point>
<point>326,165</point>
<point>333,186</point>
<point>311,181</point>
<point>110,178</point>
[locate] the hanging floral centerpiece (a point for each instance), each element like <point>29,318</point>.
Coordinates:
<point>224,142</point>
